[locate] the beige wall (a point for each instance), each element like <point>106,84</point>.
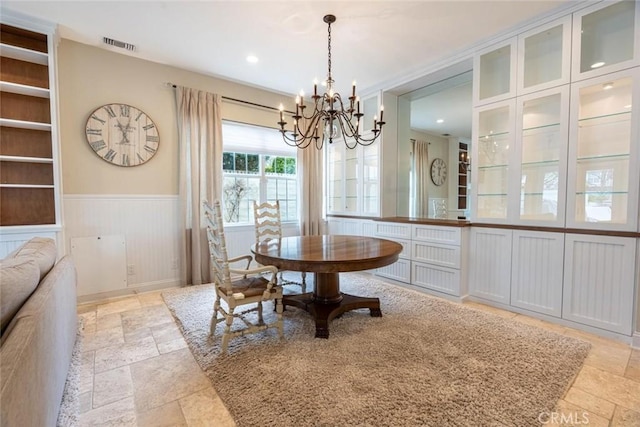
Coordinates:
<point>89,77</point>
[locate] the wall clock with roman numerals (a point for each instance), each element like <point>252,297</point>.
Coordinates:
<point>122,135</point>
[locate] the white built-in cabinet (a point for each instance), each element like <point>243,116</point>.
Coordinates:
<point>400,233</point>
<point>555,142</point>
<point>603,152</point>
<point>433,257</point>
<point>438,262</point>
<point>490,264</point>
<point>597,274</point>
<point>536,271</point>
<point>605,39</point>
<point>353,179</point>
<point>362,181</point>
<point>587,279</point>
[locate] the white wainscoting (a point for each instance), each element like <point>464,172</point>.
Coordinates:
<point>149,223</point>
<point>12,237</point>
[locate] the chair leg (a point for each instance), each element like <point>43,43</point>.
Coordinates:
<point>214,318</point>
<point>280,323</point>
<point>260,319</point>
<point>227,330</point>
<point>304,282</point>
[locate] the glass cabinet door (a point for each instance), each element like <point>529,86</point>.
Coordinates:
<point>491,153</point>
<point>544,56</point>
<point>543,130</point>
<point>494,74</point>
<point>351,171</point>
<point>335,166</point>
<point>605,38</point>
<point>370,171</point>
<point>603,153</point>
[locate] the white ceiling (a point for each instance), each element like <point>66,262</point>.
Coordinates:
<point>372,41</point>
<point>377,43</point>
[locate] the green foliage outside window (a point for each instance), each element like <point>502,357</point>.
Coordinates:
<point>280,165</point>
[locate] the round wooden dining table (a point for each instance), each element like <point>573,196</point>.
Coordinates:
<point>327,256</point>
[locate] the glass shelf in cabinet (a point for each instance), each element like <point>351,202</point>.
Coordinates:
<point>493,135</point>
<point>549,126</point>
<point>622,156</point>
<point>541,163</point>
<point>621,116</point>
<point>493,167</point>
<point>492,195</point>
<point>581,193</point>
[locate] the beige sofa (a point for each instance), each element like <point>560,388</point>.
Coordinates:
<point>39,325</point>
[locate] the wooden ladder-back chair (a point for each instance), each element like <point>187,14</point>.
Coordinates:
<point>248,286</point>
<point>269,226</point>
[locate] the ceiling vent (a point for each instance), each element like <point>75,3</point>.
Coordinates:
<point>446,134</point>
<point>118,43</point>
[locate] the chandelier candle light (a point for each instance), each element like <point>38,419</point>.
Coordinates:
<point>330,109</point>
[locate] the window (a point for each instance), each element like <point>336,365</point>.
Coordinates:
<point>257,165</point>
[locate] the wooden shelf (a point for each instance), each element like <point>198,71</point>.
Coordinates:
<point>25,186</point>
<point>22,124</point>
<point>25,159</point>
<point>24,89</point>
<point>23,54</point>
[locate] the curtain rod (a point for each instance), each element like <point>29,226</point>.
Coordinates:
<point>242,101</point>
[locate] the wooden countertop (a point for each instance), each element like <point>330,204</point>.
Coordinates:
<point>466,223</point>
<point>426,221</point>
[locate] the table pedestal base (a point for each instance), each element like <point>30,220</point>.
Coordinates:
<point>327,302</point>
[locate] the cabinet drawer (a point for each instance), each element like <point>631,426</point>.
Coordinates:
<point>436,234</point>
<point>443,255</point>
<point>393,229</point>
<point>437,278</point>
<point>399,270</point>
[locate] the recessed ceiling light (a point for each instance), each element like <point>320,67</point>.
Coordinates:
<point>440,121</point>
<point>627,106</point>
<point>252,59</point>
<point>607,86</point>
<point>597,64</point>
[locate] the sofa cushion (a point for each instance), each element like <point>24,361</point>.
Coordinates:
<point>42,249</point>
<point>18,279</point>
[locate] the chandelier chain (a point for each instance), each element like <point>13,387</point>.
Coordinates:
<point>329,56</point>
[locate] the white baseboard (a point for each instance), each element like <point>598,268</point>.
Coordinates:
<point>131,290</point>
<point>635,340</point>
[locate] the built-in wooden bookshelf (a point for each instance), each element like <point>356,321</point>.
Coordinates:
<point>463,167</point>
<point>27,182</point>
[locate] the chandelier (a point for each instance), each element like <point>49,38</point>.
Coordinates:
<point>329,112</point>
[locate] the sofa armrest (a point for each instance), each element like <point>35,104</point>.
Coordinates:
<point>35,356</point>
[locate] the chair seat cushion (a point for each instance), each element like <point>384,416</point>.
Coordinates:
<point>250,286</point>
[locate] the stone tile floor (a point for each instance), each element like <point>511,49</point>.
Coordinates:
<point>137,371</point>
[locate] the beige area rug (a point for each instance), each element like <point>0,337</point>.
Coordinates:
<point>69,413</point>
<point>426,362</point>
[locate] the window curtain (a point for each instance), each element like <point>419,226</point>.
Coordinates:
<point>311,218</point>
<point>200,136</point>
<point>420,169</point>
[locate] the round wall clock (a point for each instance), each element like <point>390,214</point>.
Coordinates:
<point>122,135</point>
<point>438,171</point>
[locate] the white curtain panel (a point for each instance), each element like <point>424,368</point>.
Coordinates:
<point>311,218</point>
<point>420,170</point>
<point>200,134</point>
